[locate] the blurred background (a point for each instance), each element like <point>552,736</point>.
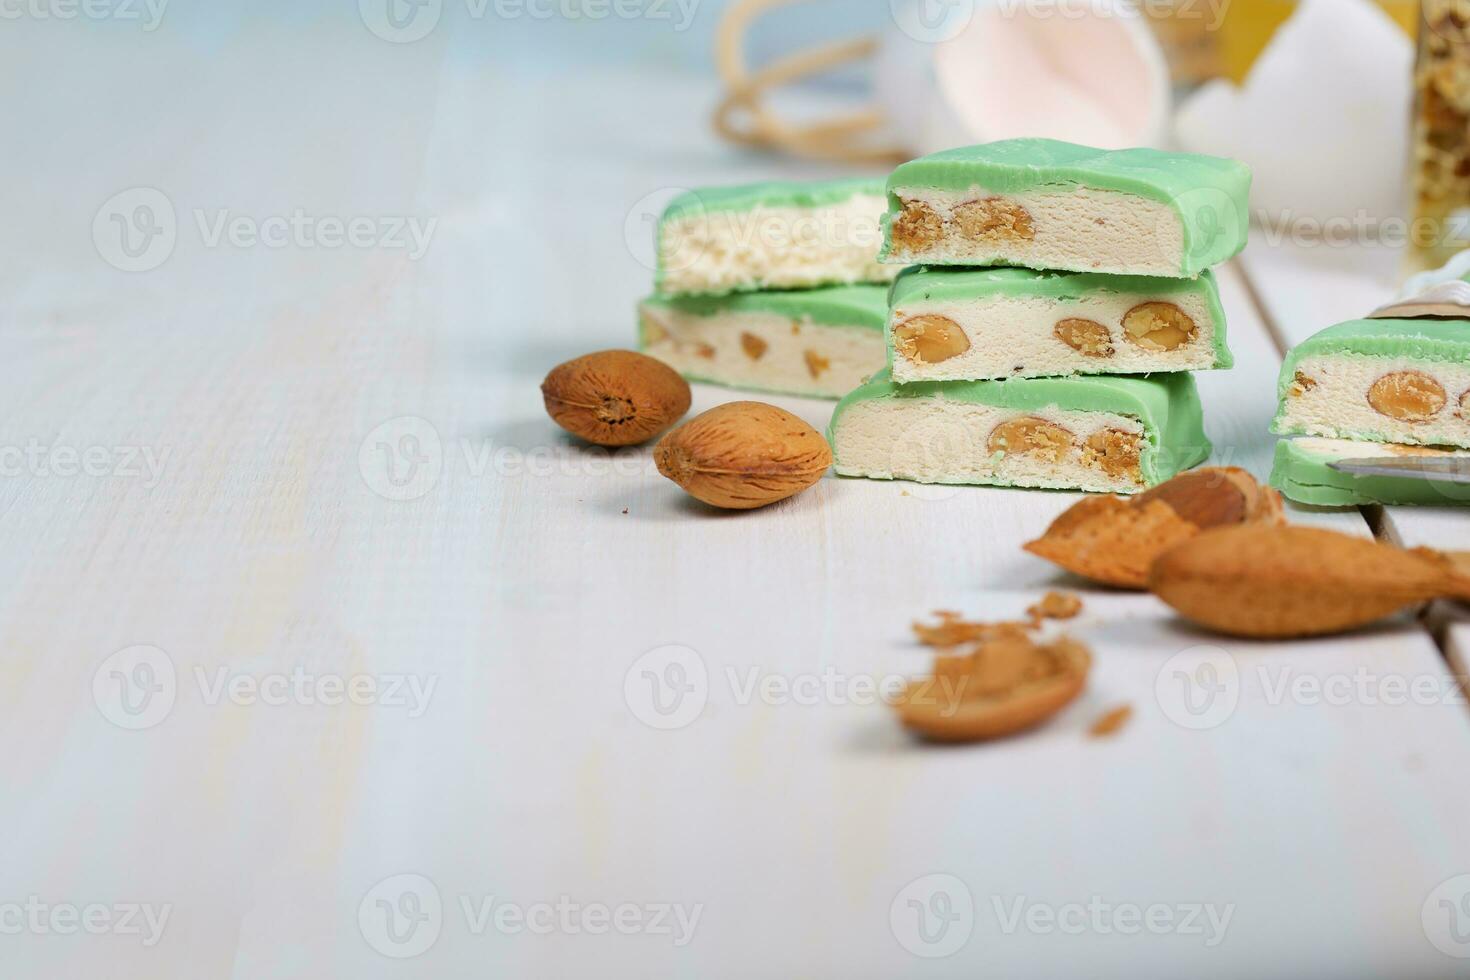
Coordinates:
<point>455,107</point>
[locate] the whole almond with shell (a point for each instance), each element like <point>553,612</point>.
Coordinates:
<point>743,455</point>
<point>615,397</point>
<point>1262,580</point>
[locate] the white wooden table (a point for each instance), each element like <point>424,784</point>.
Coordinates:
<point>357,489</point>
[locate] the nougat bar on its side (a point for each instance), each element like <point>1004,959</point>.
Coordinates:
<point>948,324</point>
<point>1301,472</point>
<point>816,342</point>
<point>1105,433</point>
<point>773,235</point>
<point>1045,204</point>
<point>1382,380</point>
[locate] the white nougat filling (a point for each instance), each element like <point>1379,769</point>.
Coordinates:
<point>1333,400</point>
<point>1082,229</point>
<point>1357,449</point>
<point>1013,337</point>
<point>940,440</point>
<point>764,351</point>
<point>774,248</point>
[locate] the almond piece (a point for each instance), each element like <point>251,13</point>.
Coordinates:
<point>916,227</point>
<point>743,455</point>
<point>753,346</point>
<point>1158,326</point>
<point>815,363</point>
<point>615,397</point>
<point>1115,452</point>
<point>1409,396</point>
<point>994,218</point>
<point>1087,337</point>
<point>1031,436</point>
<point>1055,605</point>
<point>1265,580</point>
<point>929,339</point>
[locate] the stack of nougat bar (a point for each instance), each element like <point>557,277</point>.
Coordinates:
<point>1055,299</point>
<point>771,287</point>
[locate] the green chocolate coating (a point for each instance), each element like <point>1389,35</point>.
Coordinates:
<point>949,284</point>
<point>1428,339</point>
<point>1167,405</point>
<point>770,194</point>
<point>864,306</point>
<point>1210,194</point>
<point>1304,476</point>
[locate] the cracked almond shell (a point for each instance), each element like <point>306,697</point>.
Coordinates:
<point>1115,540</point>
<point>743,455</point>
<point>615,397</point>
<point>928,708</point>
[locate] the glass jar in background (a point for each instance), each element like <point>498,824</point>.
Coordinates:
<point>1188,33</point>
<point>1205,39</point>
<point>1440,167</point>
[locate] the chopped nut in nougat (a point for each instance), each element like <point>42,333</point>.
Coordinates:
<point>916,227</point>
<point>1087,337</point>
<point>1043,204</point>
<point>1023,432</point>
<point>1024,324</point>
<point>929,339</point>
<point>1300,385</point>
<point>1116,452</point>
<point>1158,326</point>
<point>818,342</point>
<point>1382,379</point>
<point>993,218</point>
<point>1031,436</point>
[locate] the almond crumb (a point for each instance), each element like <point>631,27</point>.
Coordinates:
<point>1054,605</point>
<point>1111,721</point>
<point>951,631</point>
